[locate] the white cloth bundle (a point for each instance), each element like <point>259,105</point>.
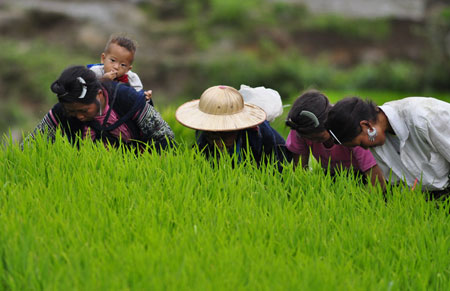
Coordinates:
<point>268,99</point>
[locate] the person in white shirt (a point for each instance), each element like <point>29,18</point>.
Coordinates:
<point>409,138</point>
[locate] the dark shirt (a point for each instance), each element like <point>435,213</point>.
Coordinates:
<point>264,143</point>
<point>142,120</point>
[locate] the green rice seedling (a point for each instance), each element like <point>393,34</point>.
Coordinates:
<point>101,218</point>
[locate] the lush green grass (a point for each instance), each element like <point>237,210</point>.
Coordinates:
<point>102,219</point>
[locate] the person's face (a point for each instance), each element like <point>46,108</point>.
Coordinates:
<point>317,137</point>
<point>221,138</point>
<point>117,59</point>
<point>83,112</point>
<point>363,140</point>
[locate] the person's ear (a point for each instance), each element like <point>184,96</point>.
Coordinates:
<point>103,56</point>
<point>365,124</point>
<point>100,97</point>
<point>129,68</point>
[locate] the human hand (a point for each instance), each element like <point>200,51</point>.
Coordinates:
<point>148,94</point>
<point>111,75</point>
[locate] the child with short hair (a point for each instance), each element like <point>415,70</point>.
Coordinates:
<point>308,133</point>
<point>117,62</point>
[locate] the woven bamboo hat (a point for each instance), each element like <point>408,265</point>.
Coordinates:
<point>220,108</point>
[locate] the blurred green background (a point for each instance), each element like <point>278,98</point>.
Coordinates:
<point>186,46</point>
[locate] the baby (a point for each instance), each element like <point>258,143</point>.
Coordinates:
<point>117,62</point>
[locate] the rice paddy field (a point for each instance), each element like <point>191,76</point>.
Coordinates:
<point>98,218</point>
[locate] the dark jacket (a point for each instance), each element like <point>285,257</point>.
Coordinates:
<point>143,121</point>
<point>264,142</point>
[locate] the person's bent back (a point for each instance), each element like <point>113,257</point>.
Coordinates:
<point>103,111</point>
<point>225,122</point>
<point>409,138</point>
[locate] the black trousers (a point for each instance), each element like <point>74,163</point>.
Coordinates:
<point>439,194</point>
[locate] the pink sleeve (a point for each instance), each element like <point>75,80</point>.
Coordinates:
<point>296,144</point>
<point>364,158</point>
<point>50,113</point>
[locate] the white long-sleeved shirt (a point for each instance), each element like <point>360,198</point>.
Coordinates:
<point>420,148</point>
<point>133,78</point>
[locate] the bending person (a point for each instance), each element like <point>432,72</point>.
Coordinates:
<point>308,134</point>
<point>224,122</point>
<point>103,111</point>
<point>411,137</point>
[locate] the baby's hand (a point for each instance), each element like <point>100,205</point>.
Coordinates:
<point>148,94</point>
<point>111,75</point>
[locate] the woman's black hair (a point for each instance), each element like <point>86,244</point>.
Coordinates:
<point>76,84</point>
<point>345,117</point>
<point>309,113</point>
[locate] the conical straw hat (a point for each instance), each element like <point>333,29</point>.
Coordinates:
<point>220,108</point>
